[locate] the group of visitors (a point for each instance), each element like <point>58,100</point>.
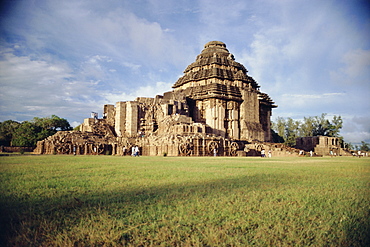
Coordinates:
<point>360,154</point>
<point>302,153</point>
<point>263,153</point>
<point>135,151</point>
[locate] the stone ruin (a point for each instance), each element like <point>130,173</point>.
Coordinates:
<point>215,108</point>
<point>322,145</point>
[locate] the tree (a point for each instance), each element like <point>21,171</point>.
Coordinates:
<point>307,127</point>
<point>320,125</point>
<point>364,146</point>
<point>292,132</point>
<point>286,130</point>
<point>335,126</point>
<point>323,127</point>
<point>279,126</point>
<point>50,125</point>
<point>7,129</point>
<point>348,145</point>
<point>53,123</point>
<point>290,129</point>
<point>28,133</point>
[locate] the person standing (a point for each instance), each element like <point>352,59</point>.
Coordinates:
<point>136,151</point>
<point>269,154</point>
<point>263,153</point>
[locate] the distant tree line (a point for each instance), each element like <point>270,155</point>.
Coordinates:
<point>27,133</point>
<point>364,146</point>
<point>286,130</point>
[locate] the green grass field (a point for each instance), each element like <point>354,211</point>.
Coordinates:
<point>184,201</point>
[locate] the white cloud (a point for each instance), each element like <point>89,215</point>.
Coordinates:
<point>142,91</point>
<point>264,57</point>
<point>21,74</point>
<point>113,98</point>
<point>312,96</point>
<point>301,46</point>
<point>355,70</point>
<point>356,129</point>
<point>358,62</point>
<point>356,137</point>
<point>75,124</point>
<point>41,87</point>
<point>305,102</point>
<point>152,90</point>
<point>134,67</point>
<point>79,28</point>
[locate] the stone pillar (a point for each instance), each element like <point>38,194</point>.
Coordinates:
<point>233,119</point>
<point>266,123</point>
<point>215,116</point>
<point>120,118</point>
<point>109,114</point>
<point>249,115</point>
<point>221,110</point>
<point>249,109</point>
<point>235,124</point>
<point>205,152</point>
<point>132,118</point>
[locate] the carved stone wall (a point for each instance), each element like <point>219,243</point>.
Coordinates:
<point>214,108</point>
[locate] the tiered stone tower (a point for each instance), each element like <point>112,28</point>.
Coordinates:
<point>221,95</point>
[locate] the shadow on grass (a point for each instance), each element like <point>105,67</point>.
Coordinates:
<point>357,230</point>
<point>123,203</point>
<point>76,205</point>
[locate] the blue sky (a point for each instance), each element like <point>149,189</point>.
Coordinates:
<point>71,57</point>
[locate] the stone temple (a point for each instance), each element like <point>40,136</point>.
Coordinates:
<point>215,108</point>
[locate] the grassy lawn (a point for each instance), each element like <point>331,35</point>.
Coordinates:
<point>184,201</point>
